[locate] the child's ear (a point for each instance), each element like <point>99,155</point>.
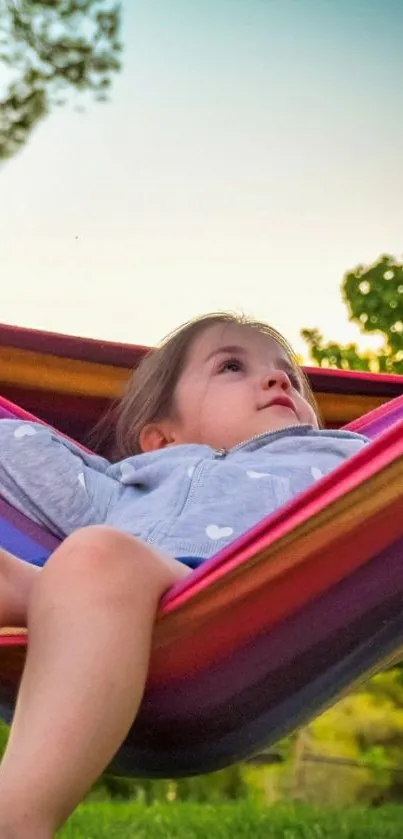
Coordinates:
<point>155,436</point>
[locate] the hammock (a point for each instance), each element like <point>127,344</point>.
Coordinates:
<point>272,630</point>
<point>69,382</point>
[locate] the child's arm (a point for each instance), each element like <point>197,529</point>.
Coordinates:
<point>50,479</point>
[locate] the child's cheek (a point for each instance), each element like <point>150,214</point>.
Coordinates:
<point>307,414</point>
<point>313,420</point>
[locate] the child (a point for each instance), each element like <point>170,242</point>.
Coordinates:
<point>218,429</point>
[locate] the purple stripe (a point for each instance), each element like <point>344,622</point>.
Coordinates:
<point>325,617</point>
<point>379,426</point>
<point>379,420</point>
<point>29,530</point>
<point>21,545</point>
<point>216,746</point>
<point>27,527</point>
<point>5,414</point>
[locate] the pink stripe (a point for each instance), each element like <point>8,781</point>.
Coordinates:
<point>11,411</point>
<point>13,640</point>
<point>378,420</point>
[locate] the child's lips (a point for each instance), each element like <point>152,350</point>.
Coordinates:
<point>282,402</point>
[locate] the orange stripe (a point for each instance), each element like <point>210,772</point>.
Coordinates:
<point>338,408</point>
<point>60,375</point>
<point>52,373</point>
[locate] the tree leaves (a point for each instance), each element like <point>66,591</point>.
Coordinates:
<point>49,49</point>
<point>369,721</point>
<point>374,298</point>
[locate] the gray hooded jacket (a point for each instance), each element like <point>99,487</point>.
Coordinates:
<point>187,500</point>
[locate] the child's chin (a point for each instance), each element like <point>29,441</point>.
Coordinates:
<point>288,418</point>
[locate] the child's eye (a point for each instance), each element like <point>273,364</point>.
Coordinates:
<point>233,365</point>
<point>295,380</point>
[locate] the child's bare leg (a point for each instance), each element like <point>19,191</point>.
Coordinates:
<point>90,622</point>
<point>16,579</point>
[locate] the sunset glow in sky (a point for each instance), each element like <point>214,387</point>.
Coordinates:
<point>250,154</point>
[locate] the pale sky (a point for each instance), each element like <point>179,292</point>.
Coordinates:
<point>250,154</point>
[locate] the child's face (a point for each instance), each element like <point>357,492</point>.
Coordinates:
<point>232,387</point>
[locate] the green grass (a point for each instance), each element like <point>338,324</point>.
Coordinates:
<point>230,821</point>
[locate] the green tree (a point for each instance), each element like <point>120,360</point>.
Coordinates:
<point>3,737</point>
<point>49,48</point>
<point>374,298</point>
<point>368,724</point>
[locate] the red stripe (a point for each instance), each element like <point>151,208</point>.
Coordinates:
<point>354,382</point>
<point>73,415</point>
<point>70,346</point>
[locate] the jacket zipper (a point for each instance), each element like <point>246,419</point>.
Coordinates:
<point>223,452</point>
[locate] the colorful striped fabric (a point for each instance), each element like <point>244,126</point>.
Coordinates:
<point>83,376</point>
<point>272,630</point>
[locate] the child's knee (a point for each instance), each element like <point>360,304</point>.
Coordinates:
<point>115,557</point>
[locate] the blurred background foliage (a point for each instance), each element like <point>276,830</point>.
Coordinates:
<point>49,50</point>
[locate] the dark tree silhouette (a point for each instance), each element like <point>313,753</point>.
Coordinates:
<point>48,49</point>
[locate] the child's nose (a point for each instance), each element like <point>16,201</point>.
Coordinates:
<point>276,378</point>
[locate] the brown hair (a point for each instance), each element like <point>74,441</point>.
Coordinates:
<point>150,391</point>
